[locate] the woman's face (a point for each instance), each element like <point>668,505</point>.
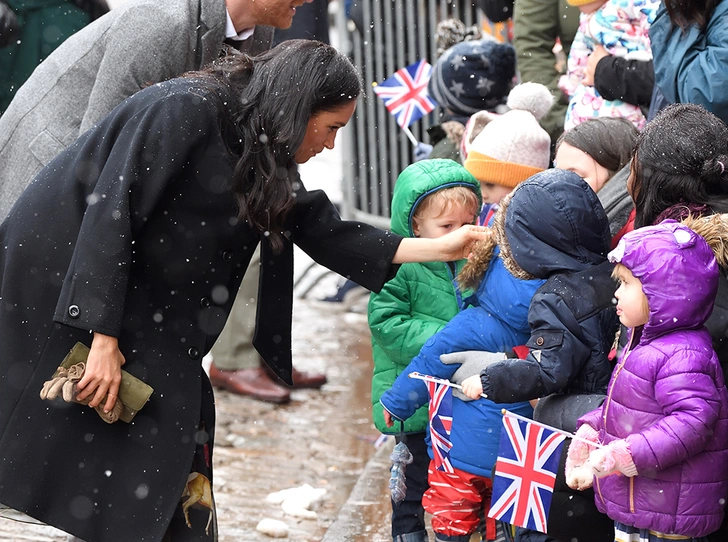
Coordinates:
<point>321,131</point>
<point>576,160</point>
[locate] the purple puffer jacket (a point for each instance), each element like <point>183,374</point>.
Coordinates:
<point>667,396</point>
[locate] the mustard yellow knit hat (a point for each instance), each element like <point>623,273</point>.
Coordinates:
<point>579,2</point>
<point>513,146</point>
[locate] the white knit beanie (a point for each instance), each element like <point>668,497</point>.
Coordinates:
<point>513,146</point>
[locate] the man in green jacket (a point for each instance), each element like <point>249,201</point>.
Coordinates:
<point>538,24</point>
<point>42,26</point>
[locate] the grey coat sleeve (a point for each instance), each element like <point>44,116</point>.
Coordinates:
<point>144,46</point>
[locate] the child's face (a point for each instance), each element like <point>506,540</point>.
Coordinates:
<point>576,160</point>
<point>591,7</point>
<point>493,193</point>
<point>432,227</point>
<point>631,300</point>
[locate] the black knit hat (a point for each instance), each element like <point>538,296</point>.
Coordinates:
<point>473,75</point>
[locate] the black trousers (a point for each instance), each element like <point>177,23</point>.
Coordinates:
<point>408,516</point>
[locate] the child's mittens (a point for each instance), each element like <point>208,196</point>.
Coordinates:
<point>472,362</point>
<point>579,450</point>
<point>613,458</point>
<point>580,478</point>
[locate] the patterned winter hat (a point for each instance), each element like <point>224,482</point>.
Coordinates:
<point>513,146</point>
<point>473,75</point>
<point>579,2</point>
<point>452,31</point>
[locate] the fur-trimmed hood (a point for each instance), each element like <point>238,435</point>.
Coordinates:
<point>552,222</point>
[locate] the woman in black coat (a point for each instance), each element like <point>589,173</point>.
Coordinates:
<point>134,241</point>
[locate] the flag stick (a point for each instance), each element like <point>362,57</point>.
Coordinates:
<point>550,428</point>
<point>428,378</point>
<point>410,135</point>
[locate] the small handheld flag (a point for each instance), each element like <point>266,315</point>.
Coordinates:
<point>440,414</point>
<point>525,472</point>
<point>405,93</point>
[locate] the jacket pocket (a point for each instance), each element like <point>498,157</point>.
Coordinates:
<point>542,340</point>
<point>45,147</point>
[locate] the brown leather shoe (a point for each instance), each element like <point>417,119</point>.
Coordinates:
<point>301,379</point>
<point>253,382</point>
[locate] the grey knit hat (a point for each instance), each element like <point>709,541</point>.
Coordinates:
<point>473,75</point>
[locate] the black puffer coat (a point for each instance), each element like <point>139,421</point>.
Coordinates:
<point>557,229</point>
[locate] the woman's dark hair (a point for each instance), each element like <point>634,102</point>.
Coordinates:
<point>268,101</point>
<point>684,13</point>
<point>680,157</point>
<point>608,140</point>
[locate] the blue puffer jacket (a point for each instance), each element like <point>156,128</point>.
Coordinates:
<point>497,322</point>
<point>692,66</point>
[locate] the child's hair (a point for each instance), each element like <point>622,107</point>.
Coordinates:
<point>608,140</point>
<point>444,200</point>
<point>618,268</point>
<point>680,156</point>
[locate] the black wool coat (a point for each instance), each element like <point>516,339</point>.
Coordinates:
<point>132,232</point>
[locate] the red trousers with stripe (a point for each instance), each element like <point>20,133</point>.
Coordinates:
<point>458,502</point>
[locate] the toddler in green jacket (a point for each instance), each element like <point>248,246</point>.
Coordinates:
<point>431,198</point>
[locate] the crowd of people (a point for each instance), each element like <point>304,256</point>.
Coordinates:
<point>571,211</point>
<point>544,197</point>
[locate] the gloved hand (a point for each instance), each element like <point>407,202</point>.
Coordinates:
<point>422,151</point>
<point>64,383</point>
<point>613,458</point>
<point>472,362</point>
<point>576,477</point>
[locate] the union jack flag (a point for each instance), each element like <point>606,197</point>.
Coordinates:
<point>440,424</point>
<point>405,93</point>
<point>525,473</point>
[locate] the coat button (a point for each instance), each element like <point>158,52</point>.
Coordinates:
<point>205,302</point>
<point>539,341</point>
<point>74,311</point>
<point>193,352</point>
<point>227,255</point>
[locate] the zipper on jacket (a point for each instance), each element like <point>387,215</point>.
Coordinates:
<point>631,494</point>
<point>607,402</point>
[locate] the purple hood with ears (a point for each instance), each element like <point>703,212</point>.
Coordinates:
<point>678,272</point>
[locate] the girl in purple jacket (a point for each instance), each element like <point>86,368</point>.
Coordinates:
<point>659,462</point>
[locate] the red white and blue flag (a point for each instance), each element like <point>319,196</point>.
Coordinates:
<point>405,93</point>
<point>440,424</point>
<point>525,473</point>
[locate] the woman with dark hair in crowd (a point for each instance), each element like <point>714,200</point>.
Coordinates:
<point>155,214</point>
<point>690,48</point>
<point>596,149</point>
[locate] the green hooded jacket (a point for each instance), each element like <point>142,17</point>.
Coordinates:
<point>422,298</point>
<point>44,25</point>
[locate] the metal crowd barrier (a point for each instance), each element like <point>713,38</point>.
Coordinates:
<point>390,35</point>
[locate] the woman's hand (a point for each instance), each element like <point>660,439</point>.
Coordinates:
<point>453,246</point>
<point>103,372</point>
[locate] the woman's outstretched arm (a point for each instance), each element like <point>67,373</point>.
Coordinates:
<point>453,246</point>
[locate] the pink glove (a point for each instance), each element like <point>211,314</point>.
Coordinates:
<point>578,449</point>
<point>613,458</point>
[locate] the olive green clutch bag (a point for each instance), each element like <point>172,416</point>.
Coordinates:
<point>133,393</point>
